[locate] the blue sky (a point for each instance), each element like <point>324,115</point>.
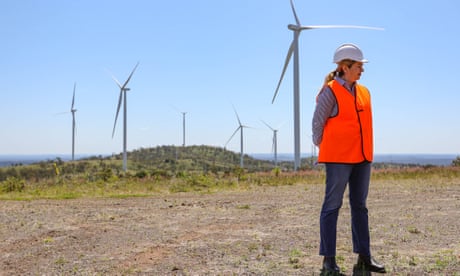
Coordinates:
<point>203,57</point>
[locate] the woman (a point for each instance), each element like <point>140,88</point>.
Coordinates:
<point>342,128</point>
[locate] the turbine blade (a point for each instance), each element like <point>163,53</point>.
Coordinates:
<point>238,128</point>
<point>118,83</point>
<point>111,74</point>
<point>118,110</point>
<point>73,98</point>
<point>237,117</point>
<point>267,125</point>
<point>295,14</point>
<point>340,27</point>
<point>286,63</point>
<point>175,108</point>
<point>130,75</point>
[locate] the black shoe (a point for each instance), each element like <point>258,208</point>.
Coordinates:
<point>330,266</point>
<point>367,263</point>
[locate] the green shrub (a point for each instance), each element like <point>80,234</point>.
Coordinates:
<point>160,174</point>
<point>199,182</point>
<point>141,174</point>
<point>12,184</point>
<point>105,174</point>
<point>456,162</point>
<point>276,171</point>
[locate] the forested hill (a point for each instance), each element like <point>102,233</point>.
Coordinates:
<point>192,158</point>
<point>161,160</point>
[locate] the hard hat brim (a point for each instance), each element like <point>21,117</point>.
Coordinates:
<point>363,61</point>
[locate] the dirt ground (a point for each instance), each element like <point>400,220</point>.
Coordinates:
<point>261,231</point>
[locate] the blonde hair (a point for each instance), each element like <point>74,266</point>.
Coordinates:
<point>338,71</point>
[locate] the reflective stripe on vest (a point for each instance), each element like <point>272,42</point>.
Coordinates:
<point>347,137</point>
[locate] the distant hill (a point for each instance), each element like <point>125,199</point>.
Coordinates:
<point>162,161</point>
<point>194,158</point>
<point>205,158</point>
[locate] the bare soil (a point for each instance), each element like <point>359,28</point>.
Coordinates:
<point>262,231</point>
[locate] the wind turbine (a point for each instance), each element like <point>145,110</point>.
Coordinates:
<point>275,142</point>
<point>294,50</point>
<point>73,110</point>
<point>122,98</point>
<point>240,128</point>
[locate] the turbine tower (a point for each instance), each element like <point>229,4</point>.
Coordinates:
<point>275,143</point>
<point>73,110</point>
<point>240,128</point>
<point>183,128</point>
<point>294,50</point>
<point>122,98</point>
<point>183,123</point>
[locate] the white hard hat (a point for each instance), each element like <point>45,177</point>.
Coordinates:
<point>348,51</point>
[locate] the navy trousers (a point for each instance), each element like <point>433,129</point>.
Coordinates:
<point>357,176</point>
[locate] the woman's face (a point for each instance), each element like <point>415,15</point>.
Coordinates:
<point>353,73</point>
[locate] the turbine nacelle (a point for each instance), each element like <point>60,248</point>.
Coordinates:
<point>293,27</point>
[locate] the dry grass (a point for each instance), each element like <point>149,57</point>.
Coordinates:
<point>251,225</point>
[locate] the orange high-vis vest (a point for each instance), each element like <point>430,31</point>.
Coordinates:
<point>347,137</point>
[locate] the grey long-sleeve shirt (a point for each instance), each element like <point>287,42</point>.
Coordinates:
<point>326,107</point>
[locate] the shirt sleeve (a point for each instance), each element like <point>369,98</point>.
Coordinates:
<point>325,107</point>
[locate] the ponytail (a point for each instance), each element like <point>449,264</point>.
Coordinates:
<point>338,71</point>
<point>330,77</point>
